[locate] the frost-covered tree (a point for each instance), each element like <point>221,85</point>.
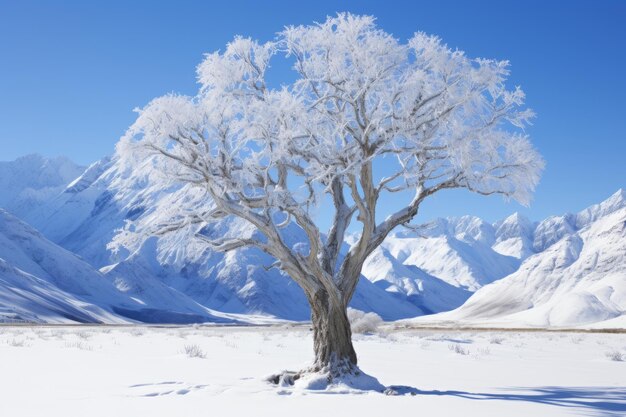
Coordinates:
<point>366,117</point>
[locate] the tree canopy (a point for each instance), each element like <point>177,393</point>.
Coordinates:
<point>437,118</point>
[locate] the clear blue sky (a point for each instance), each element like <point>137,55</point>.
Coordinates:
<point>72,71</point>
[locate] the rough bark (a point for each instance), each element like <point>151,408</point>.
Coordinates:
<point>332,336</point>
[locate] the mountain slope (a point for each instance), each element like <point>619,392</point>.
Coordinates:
<point>24,297</point>
<point>176,278</point>
<point>468,264</point>
<point>32,180</point>
<point>83,217</point>
<point>177,268</point>
<point>578,280</point>
<point>514,237</point>
<point>42,282</point>
<point>237,282</point>
<point>407,282</point>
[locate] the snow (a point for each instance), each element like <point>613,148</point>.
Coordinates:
<point>555,228</point>
<point>240,149</point>
<point>361,322</point>
<point>514,237</point>
<point>32,180</point>
<point>42,282</point>
<point>83,219</point>
<point>429,293</point>
<point>177,278</point>
<point>464,264</point>
<point>105,371</point>
<point>26,298</point>
<point>35,270</point>
<point>579,280</point>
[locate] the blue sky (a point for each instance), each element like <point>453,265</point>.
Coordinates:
<point>71,72</point>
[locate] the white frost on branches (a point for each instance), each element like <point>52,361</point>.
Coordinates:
<point>439,119</point>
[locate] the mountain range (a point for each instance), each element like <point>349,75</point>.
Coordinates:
<point>59,217</point>
<point>577,276</point>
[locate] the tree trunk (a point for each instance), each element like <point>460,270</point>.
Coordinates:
<point>332,336</point>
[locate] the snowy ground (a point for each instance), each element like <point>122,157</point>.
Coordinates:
<point>141,371</point>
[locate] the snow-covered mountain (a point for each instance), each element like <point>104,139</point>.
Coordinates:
<point>42,282</point>
<point>176,278</point>
<point>578,279</point>
<point>176,270</point>
<point>32,180</point>
<point>440,266</point>
<point>462,263</point>
<point>82,218</point>
<point>408,282</point>
<point>24,297</point>
<point>514,236</point>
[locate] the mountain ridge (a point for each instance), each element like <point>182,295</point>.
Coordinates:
<point>412,273</point>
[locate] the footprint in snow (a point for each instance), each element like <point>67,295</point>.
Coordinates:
<point>153,391</point>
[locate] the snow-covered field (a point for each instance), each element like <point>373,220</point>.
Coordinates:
<point>151,371</point>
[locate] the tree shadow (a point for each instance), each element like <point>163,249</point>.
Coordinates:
<point>604,401</point>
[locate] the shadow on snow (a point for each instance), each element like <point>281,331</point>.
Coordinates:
<point>605,401</point>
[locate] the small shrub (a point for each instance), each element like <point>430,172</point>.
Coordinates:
<point>136,332</point>
<point>83,335</point>
<point>392,337</point>
<point>194,351</point>
<point>362,322</point>
<point>456,348</point>
<point>496,340</point>
<point>78,345</point>
<point>16,343</point>
<point>57,334</point>
<point>483,351</point>
<point>616,356</point>
<point>230,344</point>
<point>40,334</point>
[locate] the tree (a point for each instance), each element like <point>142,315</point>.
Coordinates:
<point>363,103</point>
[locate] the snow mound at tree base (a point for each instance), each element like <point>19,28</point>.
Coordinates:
<point>357,382</point>
<point>353,382</point>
